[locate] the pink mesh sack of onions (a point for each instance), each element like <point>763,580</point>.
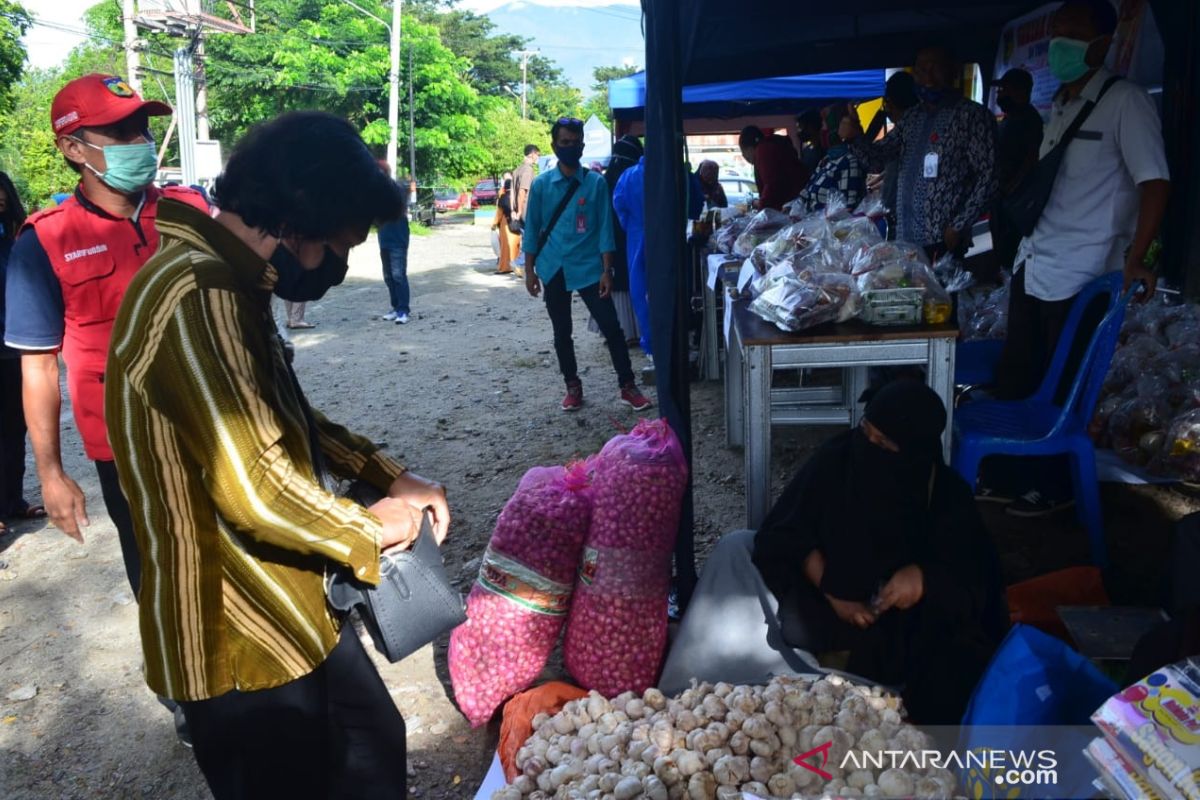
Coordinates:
<point>617,630</point>
<point>518,605</point>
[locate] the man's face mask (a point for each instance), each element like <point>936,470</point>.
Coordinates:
<point>569,155</point>
<point>301,285</point>
<point>1006,103</point>
<point>1068,58</point>
<point>129,168</point>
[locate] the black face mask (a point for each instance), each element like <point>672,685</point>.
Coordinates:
<point>569,156</point>
<point>301,285</point>
<point>1006,103</point>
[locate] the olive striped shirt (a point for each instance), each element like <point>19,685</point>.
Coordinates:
<point>213,450</point>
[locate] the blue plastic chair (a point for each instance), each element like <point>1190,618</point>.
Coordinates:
<point>975,362</point>
<point>1039,427</point>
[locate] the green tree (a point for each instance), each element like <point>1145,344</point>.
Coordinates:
<point>14,22</point>
<point>503,135</point>
<point>598,103</point>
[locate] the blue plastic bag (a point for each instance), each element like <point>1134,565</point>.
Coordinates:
<point>1035,689</point>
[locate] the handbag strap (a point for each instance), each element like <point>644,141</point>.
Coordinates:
<point>1084,113</point>
<point>544,236</point>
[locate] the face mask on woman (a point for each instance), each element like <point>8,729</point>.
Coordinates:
<point>301,285</point>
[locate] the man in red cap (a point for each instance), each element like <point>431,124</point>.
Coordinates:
<point>66,277</point>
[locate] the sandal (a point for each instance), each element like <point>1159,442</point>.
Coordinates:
<point>293,326</point>
<point>31,512</point>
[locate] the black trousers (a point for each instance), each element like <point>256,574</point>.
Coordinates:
<point>12,438</point>
<point>558,305</point>
<point>118,511</point>
<point>334,733</point>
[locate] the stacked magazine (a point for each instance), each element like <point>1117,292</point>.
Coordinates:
<point>1151,742</point>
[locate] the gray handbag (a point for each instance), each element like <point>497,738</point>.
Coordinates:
<point>414,602</point>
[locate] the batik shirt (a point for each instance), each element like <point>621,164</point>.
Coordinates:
<point>962,136</point>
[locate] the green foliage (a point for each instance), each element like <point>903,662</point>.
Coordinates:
<point>504,135</point>
<point>598,103</point>
<point>14,22</point>
<point>27,150</point>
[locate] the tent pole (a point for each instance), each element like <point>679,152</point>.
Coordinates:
<point>666,251</point>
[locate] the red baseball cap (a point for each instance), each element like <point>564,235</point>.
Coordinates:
<point>96,100</point>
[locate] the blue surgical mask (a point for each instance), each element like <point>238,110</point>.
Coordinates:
<point>1068,58</point>
<point>129,168</point>
<point>301,285</point>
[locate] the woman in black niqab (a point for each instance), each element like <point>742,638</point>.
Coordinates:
<point>876,548</point>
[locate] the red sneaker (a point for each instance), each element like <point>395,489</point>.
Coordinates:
<point>574,399</point>
<point>633,398</point>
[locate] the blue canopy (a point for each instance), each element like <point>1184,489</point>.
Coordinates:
<point>627,96</point>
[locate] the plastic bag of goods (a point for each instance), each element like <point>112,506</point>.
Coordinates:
<point>872,206</point>
<point>794,303</point>
<point>799,237</point>
<point>732,225</point>
<point>983,313</point>
<point>856,235</point>
<point>779,270</point>
<point>898,265</point>
<point>762,226</point>
<point>519,602</point>
<point>617,630</point>
<point>952,273</point>
<point>1182,446</point>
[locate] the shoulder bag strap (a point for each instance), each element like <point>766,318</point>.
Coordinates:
<point>544,236</point>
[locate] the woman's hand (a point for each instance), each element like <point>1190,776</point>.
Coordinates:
<point>422,494</point>
<point>852,612</point>
<point>904,590</point>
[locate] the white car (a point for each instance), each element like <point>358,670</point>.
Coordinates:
<point>739,191</point>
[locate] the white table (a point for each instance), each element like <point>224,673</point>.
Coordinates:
<point>756,348</point>
<point>720,268</point>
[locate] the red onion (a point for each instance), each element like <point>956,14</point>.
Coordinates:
<point>519,603</point>
<point>617,630</point>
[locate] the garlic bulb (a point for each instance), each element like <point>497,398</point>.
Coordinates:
<point>895,783</point>
<point>714,742</point>
<point>627,789</point>
<point>702,786</point>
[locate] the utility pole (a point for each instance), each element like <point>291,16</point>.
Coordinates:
<point>202,132</point>
<point>393,73</point>
<point>412,147</point>
<point>394,85</point>
<point>525,54</point>
<point>132,61</point>
<point>185,112</point>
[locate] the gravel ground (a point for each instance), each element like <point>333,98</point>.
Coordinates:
<point>467,393</point>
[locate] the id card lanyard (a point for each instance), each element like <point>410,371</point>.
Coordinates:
<point>931,158</point>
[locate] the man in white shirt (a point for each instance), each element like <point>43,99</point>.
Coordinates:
<point>1104,211</point>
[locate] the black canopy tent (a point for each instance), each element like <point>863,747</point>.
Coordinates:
<point>706,41</point>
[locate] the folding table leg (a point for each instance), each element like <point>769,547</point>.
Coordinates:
<point>734,399</point>
<point>757,371</point>
<point>856,379</point>
<point>940,374</point>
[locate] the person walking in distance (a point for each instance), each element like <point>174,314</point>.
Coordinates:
<point>393,252</point>
<point>569,245</point>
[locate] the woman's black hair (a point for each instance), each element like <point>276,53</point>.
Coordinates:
<point>306,174</point>
<point>14,212</point>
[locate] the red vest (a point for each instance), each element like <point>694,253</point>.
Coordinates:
<point>95,257</point>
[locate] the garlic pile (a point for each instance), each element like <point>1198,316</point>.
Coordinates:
<point>715,742</point>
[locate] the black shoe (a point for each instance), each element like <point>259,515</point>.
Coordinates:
<point>181,728</point>
<point>988,495</point>
<point>1034,504</point>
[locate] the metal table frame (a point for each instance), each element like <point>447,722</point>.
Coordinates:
<point>752,406</point>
